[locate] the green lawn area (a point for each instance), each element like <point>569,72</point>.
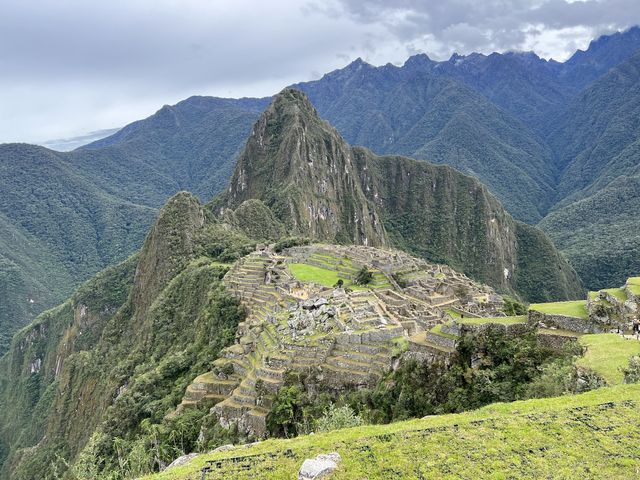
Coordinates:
<point>592,435</point>
<point>606,354</point>
<point>499,320</point>
<point>452,313</point>
<point>619,293</point>
<point>577,308</point>
<point>633,284</point>
<point>438,330</point>
<point>328,277</point>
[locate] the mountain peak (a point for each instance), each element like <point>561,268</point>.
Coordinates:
<point>304,171</point>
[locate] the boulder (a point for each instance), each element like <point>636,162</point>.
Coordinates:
<point>182,460</point>
<point>319,467</point>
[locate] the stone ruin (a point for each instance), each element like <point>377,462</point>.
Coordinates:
<point>343,336</point>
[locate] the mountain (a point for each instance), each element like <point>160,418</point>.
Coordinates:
<point>497,117</point>
<point>419,114</point>
<point>67,215</point>
<point>598,140</point>
<point>603,54</point>
<point>320,187</point>
<point>59,228</point>
<point>103,373</point>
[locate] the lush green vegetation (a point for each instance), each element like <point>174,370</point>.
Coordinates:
<point>547,438</point>
<point>633,284</point>
<point>511,369</point>
<point>330,278</point>
<point>576,308</point>
<point>124,351</point>
<point>497,320</point>
<point>608,354</point>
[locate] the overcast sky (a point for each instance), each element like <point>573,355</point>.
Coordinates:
<point>70,67</point>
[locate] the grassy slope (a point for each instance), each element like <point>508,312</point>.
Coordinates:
<point>328,277</point>
<point>576,308</point>
<point>584,436</point>
<point>607,354</point>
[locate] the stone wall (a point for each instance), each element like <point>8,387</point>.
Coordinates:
<point>553,341</point>
<point>563,322</point>
<point>512,329</point>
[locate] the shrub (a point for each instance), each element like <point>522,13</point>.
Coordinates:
<point>364,277</point>
<point>632,372</point>
<point>335,418</point>
<point>290,242</point>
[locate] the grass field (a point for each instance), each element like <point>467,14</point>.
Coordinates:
<point>618,293</point>
<point>587,436</point>
<point>576,308</point>
<point>498,320</point>
<point>328,277</point>
<point>633,284</point>
<point>607,354</point>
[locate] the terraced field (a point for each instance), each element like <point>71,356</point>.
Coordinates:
<point>587,436</point>
<point>607,354</point>
<point>577,308</point>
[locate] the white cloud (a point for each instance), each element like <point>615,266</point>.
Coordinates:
<point>71,66</point>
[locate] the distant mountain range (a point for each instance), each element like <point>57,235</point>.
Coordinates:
<point>553,141</point>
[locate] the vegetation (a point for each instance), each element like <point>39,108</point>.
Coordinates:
<point>608,354</point>
<point>330,277</point>
<point>510,369</point>
<point>539,436</point>
<point>497,320</point>
<point>364,277</point>
<point>576,308</point>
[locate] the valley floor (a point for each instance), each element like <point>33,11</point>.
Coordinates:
<point>591,435</point>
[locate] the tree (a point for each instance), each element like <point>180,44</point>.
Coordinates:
<point>364,276</point>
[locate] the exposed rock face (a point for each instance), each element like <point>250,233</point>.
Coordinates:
<point>182,460</point>
<point>168,248</point>
<point>304,171</point>
<point>320,187</point>
<point>319,467</point>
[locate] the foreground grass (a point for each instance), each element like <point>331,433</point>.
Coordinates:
<point>576,308</point>
<point>592,435</point>
<point>607,354</point>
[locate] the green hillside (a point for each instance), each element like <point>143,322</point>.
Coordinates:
<point>66,216</point>
<point>431,211</point>
<point>592,435</point>
<point>425,116</point>
<point>58,229</point>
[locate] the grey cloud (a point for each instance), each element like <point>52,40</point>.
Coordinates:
<point>472,25</point>
<point>69,67</point>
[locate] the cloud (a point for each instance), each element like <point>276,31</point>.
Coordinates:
<point>494,25</point>
<point>71,67</point>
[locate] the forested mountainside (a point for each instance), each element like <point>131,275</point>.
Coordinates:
<point>93,374</point>
<point>489,116</point>
<point>69,215</point>
<point>405,111</point>
<point>320,187</point>
<point>598,145</point>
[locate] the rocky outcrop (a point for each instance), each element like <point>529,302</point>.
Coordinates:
<point>319,467</point>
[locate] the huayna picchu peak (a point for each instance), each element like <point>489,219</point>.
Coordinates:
<point>320,187</point>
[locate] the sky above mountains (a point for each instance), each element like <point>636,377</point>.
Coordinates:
<point>70,67</point>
